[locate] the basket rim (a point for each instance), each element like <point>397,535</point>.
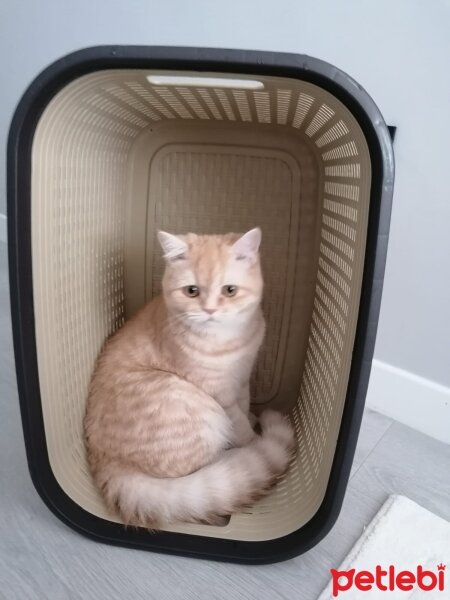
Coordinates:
<point>20,139</point>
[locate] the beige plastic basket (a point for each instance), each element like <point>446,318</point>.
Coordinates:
<point>118,154</point>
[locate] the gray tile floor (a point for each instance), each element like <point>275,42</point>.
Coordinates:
<point>41,559</point>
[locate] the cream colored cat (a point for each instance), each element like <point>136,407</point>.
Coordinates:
<point>168,430</point>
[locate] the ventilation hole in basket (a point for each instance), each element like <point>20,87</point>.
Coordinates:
<point>126,97</point>
<point>314,414</point>
<point>332,290</point>
<point>327,338</point>
<point>311,449</point>
<point>283,103</point>
<point>339,244</point>
<point>320,416</point>
<point>343,190</point>
<point>320,367</point>
<point>313,387</point>
<point>337,260</point>
<point>312,433</point>
<point>331,307</point>
<point>324,315</point>
<point>304,103</point>
<point>146,95</point>
<point>262,103</point>
<point>226,106</point>
<point>130,125</point>
<point>340,227</point>
<point>351,170</point>
<point>104,124</point>
<point>338,130</point>
<point>324,350</point>
<point>240,98</point>
<point>323,388</point>
<point>343,210</point>
<point>345,151</point>
<point>335,276</point>
<point>209,102</point>
<point>321,117</point>
<point>102,103</point>
<point>192,102</point>
<point>175,103</point>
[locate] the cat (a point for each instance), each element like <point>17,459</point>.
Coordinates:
<point>168,431</point>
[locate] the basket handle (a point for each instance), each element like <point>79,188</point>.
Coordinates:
<point>204,81</point>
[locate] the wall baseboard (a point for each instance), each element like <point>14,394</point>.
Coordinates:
<point>3,235</point>
<point>415,401</point>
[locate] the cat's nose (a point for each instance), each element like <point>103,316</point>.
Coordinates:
<point>210,311</point>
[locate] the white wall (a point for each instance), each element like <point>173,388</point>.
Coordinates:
<point>398,50</point>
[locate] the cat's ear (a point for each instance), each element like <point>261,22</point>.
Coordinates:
<point>174,248</point>
<point>247,246</point>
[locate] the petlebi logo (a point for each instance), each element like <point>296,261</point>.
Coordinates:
<point>388,579</point>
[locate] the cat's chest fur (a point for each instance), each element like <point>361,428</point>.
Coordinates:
<point>221,366</point>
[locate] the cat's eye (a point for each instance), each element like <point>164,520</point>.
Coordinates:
<point>229,290</point>
<point>191,291</point>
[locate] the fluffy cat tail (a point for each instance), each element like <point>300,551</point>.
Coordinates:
<point>237,479</point>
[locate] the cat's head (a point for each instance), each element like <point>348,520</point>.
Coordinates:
<point>212,280</point>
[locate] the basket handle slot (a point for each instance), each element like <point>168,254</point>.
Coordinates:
<point>205,81</point>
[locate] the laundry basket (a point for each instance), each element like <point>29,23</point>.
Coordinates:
<point>110,144</point>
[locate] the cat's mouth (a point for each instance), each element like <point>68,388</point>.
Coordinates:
<point>203,319</point>
<point>210,321</point>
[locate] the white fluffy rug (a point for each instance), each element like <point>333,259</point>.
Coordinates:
<point>404,535</point>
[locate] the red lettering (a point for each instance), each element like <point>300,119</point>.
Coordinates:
<point>364,580</point>
<point>379,574</point>
<point>336,577</point>
<point>421,575</point>
<point>391,578</point>
<point>405,580</point>
<point>441,580</point>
